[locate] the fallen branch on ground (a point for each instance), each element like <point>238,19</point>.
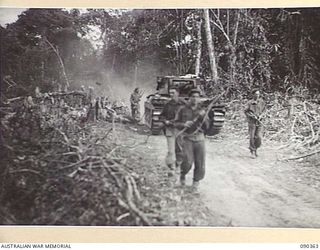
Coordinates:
<point>301,156</point>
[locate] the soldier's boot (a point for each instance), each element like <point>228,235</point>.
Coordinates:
<point>252,152</point>
<point>171,170</point>
<point>195,187</point>
<point>195,184</point>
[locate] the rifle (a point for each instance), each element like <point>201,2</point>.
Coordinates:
<point>257,118</point>
<point>196,120</point>
<point>141,93</point>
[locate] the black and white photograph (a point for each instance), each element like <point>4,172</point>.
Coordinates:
<point>160,117</point>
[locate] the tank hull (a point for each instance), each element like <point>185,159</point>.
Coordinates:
<point>152,116</point>
<point>154,121</point>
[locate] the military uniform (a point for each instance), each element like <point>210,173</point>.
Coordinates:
<point>135,105</point>
<point>168,114</point>
<point>97,109</point>
<point>193,142</point>
<point>253,112</point>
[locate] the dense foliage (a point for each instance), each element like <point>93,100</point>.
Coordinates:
<point>269,48</point>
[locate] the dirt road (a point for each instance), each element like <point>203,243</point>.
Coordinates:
<point>262,192</point>
<point>243,192</point>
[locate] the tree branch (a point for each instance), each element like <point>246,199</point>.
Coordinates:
<point>60,60</point>
<point>220,26</point>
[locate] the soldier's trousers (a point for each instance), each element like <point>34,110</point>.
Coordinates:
<point>135,112</point>
<point>174,154</point>
<point>171,155</point>
<point>194,153</point>
<point>255,133</point>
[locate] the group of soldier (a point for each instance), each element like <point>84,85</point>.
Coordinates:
<point>185,124</point>
<point>184,127</point>
<point>100,105</point>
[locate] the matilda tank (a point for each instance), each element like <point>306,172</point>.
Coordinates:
<point>155,103</point>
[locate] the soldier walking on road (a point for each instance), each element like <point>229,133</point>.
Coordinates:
<point>191,119</point>
<point>135,104</point>
<point>173,158</point>
<point>254,110</point>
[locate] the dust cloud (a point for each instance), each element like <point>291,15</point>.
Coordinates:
<point>118,87</point>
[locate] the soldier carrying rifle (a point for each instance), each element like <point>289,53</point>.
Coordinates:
<point>191,120</point>
<point>135,104</point>
<point>255,109</point>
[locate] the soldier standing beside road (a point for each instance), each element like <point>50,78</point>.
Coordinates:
<point>191,119</point>
<point>135,104</point>
<point>97,108</point>
<point>173,158</point>
<point>254,110</point>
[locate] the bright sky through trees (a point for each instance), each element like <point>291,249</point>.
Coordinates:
<point>9,15</point>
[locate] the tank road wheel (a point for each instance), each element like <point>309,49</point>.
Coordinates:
<point>156,124</point>
<point>156,127</point>
<point>217,118</point>
<point>155,131</point>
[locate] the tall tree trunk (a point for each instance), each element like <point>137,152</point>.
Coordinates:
<point>231,42</point>
<point>135,73</point>
<point>295,40</point>
<point>181,44</point>
<point>199,46</point>
<point>56,51</point>
<point>232,63</point>
<point>178,56</point>
<point>236,29</point>
<point>233,56</point>
<point>42,71</point>
<point>213,66</point>
<point>228,22</point>
<point>113,62</point>
<point>302,53</point>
